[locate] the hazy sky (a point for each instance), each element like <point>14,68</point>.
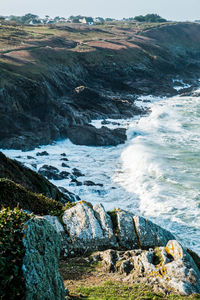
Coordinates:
<point>170,9</point>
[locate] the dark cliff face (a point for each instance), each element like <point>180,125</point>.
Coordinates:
<point>39,99</point>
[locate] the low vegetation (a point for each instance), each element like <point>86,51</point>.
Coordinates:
<point>11,253</point>
<point>86,280</point>
<point>13,195</point>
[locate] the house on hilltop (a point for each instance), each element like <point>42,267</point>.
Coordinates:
<point>87,20</point>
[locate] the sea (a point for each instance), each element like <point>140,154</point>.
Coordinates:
<point>155,174</point>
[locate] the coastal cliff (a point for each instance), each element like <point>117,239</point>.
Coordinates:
<point>57,77</point>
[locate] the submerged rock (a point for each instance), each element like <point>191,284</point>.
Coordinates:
<point>43,153</point>
<point>40,265</point>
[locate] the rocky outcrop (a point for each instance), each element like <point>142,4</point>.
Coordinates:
<point>137,249</point>
<point>92,136</point>
<point>167,269</point>
<point>137,232</point>
<point>155,260</point>
<point>88,229</point>
<point>40,265</point>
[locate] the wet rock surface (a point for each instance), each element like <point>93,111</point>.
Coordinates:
<point>92,136</point>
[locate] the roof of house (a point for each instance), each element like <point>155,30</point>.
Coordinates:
<point>88,19</point>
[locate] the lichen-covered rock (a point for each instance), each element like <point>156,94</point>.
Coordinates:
<point>54,221</point>
<point>149,234</point>
<point>40,265</point>
<point>167,269</point>
<point>126,232</point>
<point>184,273</point>
<point>106,225</point>
<point>88,229</point>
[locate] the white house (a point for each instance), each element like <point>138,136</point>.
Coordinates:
<point>87,20</point>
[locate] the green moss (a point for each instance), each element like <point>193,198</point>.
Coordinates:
<point>11,253</point>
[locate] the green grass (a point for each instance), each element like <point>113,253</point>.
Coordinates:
<point>120,291</point>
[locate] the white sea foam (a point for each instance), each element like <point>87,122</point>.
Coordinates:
<point>154,174</point>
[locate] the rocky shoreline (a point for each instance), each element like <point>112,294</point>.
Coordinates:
<point>55,103</point>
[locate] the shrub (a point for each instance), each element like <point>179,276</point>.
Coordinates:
<point>12,253</point>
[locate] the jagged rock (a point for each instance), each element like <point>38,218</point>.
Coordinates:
<point>50,172</point>
<point>106,225</point>
<point>64,175</point>
<point>40,265</point>
<point>54,221</point>
<point>64,165</point>
<point>77,173</point>
<point>149,234</point>
<point>89,183</point>
<point>164,272</point>
<point>30,157</point>
<point>125,231</point>
<point>85,230</point>
<point>183,272</point>
<point>63,154</point>
<point>53,173</point>
<point>43,153</point>
<point>75,181</point>
<point>72,197</point>
<point>64,159</point>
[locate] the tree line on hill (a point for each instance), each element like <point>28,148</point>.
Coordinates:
<point>31,19</point>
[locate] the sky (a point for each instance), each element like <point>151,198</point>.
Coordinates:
<point>179,10</point>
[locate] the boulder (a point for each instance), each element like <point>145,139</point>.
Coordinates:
<point>125,232</point>
<point>77,172</point>
<point>87,231</point>
<point>64,165</point>
<point>72,197</point>
<point>149,234</point>
<point>50,172</point>
<point>106,225</point>
<point>91,136</point>
<point>54,221</point>
<point>40,265</point>
<point>43,153</point>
